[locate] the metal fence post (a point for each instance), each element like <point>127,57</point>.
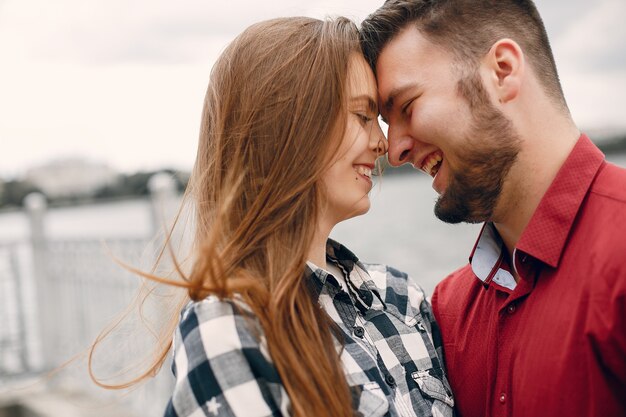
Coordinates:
<point>163,196</point>
<point>36,206</point>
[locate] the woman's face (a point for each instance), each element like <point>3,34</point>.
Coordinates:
<point>349,178</point>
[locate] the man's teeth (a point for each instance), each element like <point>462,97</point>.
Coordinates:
<point>430,164</point>
<point>364,171</point>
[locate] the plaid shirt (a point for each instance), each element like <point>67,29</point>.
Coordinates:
<point>391,351</point>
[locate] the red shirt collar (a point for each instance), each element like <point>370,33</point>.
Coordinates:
<point>560,204</point>
<point>545,235</point>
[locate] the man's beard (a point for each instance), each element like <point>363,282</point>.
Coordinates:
<point>492,148</point>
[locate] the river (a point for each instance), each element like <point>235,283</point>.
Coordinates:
<point>399,230</point>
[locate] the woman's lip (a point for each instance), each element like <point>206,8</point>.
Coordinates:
<point>359,168</point>
<point>365,177</point>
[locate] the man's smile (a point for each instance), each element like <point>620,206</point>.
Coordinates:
<point>431,163</point>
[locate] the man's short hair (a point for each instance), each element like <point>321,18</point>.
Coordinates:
<point>468,29</point>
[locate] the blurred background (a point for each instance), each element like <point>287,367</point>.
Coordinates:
<point>99,111</point>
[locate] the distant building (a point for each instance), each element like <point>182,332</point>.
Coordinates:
<point>71,177</point>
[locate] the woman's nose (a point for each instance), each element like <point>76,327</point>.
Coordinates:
<point>378,140</point>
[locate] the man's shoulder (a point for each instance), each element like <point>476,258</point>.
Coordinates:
<point>603,218</point>
<point>611,183</point>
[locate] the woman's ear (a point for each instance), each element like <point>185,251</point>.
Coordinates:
<point>505,63</point>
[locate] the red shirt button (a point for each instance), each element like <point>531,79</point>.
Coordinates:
<point>502,398</point>
<point>511,308</point>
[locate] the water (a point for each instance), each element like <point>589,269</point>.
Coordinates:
<point>117,219</point>
<point>400,229</point>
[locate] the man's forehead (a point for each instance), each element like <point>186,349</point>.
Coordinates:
<point>409,60</point>
<point>392,62</point>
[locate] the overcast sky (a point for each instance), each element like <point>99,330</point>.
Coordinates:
<point>122,81</point>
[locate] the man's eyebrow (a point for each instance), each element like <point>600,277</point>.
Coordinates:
<point>395,92</point>
<point>372,106</point>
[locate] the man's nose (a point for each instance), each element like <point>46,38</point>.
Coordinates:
<point>401,146</point>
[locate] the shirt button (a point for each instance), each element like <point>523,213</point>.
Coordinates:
<point>502,398</point>
<point>390,380</point>
<point>359,331</point>
<point>511,308</point>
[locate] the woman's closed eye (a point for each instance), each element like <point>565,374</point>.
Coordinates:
<point>363,118</point>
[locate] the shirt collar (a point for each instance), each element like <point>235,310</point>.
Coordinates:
<point>487,258</point>
<point>357,278</point>
<point>559,206</point>
<point>555,213</point>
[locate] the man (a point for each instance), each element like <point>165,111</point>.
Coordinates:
<point>535,324</point>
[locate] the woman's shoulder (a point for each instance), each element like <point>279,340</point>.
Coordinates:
<point>220,358</point>
<point>214,308</point>
<point>397,287</point>
<point>387,277</point>
<point>222,324</point>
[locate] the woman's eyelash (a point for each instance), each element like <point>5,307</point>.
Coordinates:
<point>363,118</point>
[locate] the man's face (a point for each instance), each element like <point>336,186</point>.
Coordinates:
<point>445,125</point>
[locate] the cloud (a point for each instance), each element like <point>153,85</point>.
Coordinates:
<point>558,18</point>
<point>151,31</point>
<point>597,41</point>
<point>123,81</point>
<point>596,100</point>
<point>589,44</point>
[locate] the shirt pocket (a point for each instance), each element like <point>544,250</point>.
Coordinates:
<point>371,400</point>
<point>433,387</point>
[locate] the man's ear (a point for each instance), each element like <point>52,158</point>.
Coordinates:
<point>505,63</point>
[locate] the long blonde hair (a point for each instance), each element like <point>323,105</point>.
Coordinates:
<point>274,115</point>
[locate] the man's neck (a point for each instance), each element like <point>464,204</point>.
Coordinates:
<point>538,164</point>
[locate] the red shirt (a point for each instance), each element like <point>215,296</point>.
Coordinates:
<point>553,344</point>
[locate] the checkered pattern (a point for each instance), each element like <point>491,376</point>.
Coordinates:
<point>391,350</point>
<point>221,368</point>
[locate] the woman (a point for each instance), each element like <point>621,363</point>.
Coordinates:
<point>284,321</point>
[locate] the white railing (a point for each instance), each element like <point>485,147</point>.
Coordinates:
<point>15,355</point>
<point>56,295</point>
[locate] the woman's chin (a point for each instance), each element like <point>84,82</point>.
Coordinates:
<point>359,211</point>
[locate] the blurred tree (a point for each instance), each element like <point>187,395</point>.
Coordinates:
<point>14,191</point>
<point>136,184</point>
<point>132,185</point>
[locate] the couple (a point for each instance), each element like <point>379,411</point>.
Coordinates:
<point>284,321</point>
